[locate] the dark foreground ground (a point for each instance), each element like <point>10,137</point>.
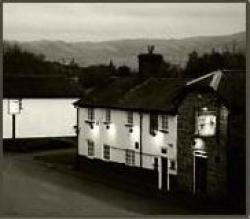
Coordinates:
<point>46,184</point>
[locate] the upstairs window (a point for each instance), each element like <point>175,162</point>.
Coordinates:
<point>130,117</point>
<point>106,152</point>
<point>91,148</point>
<point>130,157</point>
<point>108,115</point>
<point>153,123</point>
<point>91,114</point>
<point>164,122</point>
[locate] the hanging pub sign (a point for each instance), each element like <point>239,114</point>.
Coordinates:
<point>14,106</point>
<point>206,123</point>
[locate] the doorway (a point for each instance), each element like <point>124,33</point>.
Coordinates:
<point>200,174</point>
<point>164,173</point>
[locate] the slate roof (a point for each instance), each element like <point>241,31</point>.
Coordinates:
<point>153,94</point>
<point>165,94</point>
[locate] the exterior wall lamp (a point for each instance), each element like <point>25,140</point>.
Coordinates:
<point>91,123</point>
<point>107,124</point>
<point>153,133</point>
<point>130,126</point>
<point>77,129</point>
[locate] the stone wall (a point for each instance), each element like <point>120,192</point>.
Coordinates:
<point>215,145</point>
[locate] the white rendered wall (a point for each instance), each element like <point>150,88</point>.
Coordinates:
<point>7,121</point>
<point>118,136</point>
<point>42,117</point>
<point>153,144</point>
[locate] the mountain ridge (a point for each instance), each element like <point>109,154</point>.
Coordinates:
<point>125,51</point>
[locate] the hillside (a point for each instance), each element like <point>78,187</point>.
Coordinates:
<point>124,52</point>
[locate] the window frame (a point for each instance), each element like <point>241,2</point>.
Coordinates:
<point>105,146</point>
<point>130,157</point>
<point>173,165</point>
<point>91,114</point>
<point>130,117</point>
<point>108,116</point>
<point>165,122</point>
<point>91,143</point>
<point>153,123</point>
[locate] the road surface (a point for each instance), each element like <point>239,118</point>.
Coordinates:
<point>30,188</point>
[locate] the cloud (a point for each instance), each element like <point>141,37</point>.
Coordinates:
<point>104,21</point>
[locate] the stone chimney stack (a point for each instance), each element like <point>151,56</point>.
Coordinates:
<point>150,64</point>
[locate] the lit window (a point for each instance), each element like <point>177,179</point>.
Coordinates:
<point>164,122</point>
<point>91,148</point>
<point>130,117</point>
<point>91,114</point>
<point>106,152</point>
<point>153,123</point>
<point>130,157</point>
<point>108,115</point>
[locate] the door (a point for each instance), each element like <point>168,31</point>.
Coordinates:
<point>200,175</point>
<point>164,173</point>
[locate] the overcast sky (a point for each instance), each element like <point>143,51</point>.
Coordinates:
<point>109,21</point>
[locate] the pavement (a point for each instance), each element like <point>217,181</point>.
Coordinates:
<point>31,187</point>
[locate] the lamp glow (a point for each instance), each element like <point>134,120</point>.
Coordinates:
<point>159,138</point>
<point>136,133</point>
<point>95,130</point>
<point>112,130</point>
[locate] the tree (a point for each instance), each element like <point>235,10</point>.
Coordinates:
<point>200,65</point>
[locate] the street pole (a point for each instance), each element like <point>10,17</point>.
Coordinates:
<point>13,126</point>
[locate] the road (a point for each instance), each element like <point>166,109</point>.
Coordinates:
<point>30,188</point>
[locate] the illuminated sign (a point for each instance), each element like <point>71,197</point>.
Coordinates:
<point>206,125</point>
<point>14,106</point>
<point>199,144</point>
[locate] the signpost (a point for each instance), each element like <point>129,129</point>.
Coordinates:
<point>14,107</point>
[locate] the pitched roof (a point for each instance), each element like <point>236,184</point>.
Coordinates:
<point>165,94</point>
<point>229,85</point>
<point>153,94</point>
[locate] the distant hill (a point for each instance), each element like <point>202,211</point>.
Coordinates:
<point>124,52</point>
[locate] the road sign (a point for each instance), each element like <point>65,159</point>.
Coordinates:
<point>14,106</point>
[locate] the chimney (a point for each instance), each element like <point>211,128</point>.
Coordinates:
<point>150,64</point>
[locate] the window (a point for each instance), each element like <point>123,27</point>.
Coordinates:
<point>108,115</point>
<point>130,157</point>
<point>91,148</point>
<point>153,123</point>
<point>130,117</point>
<point>91,115</point>
<point>172,165</point>
<point>136,145</point>
<point>164,122</point>
<point>155,163</point>
<point>106,152</point>
<point>164,150</point>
